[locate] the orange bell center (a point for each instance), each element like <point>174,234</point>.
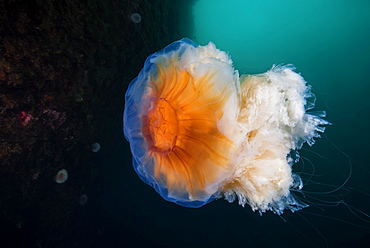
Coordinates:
<point>160,126</point>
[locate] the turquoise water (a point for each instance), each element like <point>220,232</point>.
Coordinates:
<point>329,34</point>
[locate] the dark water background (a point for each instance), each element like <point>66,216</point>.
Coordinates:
<point>329,43</point>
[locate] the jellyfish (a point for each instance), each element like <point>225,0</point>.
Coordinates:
<point>199,132</point>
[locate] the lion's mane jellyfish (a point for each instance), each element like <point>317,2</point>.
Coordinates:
<point>199,132</point>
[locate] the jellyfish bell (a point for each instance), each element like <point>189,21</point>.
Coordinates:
<point>198,132</point>
<point>180,117</point>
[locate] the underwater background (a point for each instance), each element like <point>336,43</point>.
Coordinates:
<point>88,54</point>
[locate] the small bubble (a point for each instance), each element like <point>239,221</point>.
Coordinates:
<point>95,147</point>
<point>136,17</point>
<point>83,199</point>
<point>61,177</point>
